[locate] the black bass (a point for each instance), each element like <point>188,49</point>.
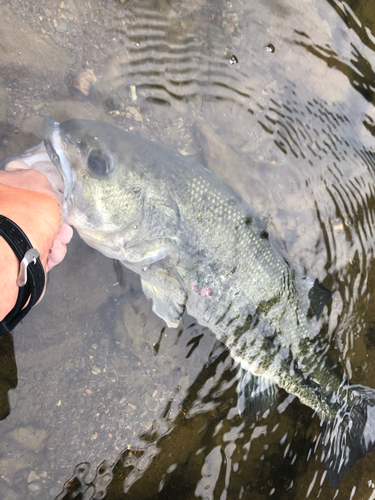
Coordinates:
<point>197,245</point>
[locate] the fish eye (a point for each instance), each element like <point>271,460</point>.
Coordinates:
<point>98,163</point>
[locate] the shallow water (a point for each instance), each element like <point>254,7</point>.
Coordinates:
<point>277,98</point>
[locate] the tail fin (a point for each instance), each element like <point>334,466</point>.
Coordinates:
<point>350,435</point>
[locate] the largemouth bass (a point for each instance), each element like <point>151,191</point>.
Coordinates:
<point>197,245</point>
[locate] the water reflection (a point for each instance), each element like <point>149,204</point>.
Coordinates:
<point>205,451</point>
<point>290,130</point>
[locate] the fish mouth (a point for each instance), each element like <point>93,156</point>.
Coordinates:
<point>54,148</point>
<point>99,240</point>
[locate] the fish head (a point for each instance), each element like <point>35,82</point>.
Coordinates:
<point>102,193</point>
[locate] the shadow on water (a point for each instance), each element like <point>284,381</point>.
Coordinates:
<point>147,411</point>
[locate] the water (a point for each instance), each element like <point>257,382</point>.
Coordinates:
<point>278,99</point>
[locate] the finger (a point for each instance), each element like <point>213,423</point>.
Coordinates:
<point>58,249</point>
<point>16,165</point>
<point>58,252</point>
<point>65,234</point>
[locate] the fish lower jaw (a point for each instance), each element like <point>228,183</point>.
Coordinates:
<point>96,242</point>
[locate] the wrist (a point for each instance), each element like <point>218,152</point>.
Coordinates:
<point>31,277</point>
<point>9,267</point>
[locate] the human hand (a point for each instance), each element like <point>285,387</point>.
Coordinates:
<point>23,176</point>
<point>28,199</point>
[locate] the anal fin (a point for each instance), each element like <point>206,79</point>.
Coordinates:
<point>256,395</point>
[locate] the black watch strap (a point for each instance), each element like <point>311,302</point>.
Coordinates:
<point>31,279</point>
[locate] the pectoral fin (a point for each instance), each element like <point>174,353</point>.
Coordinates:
<point>163,305</point>
<point>256,394</point>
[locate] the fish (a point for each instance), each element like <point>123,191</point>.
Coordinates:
<point>199,247</point>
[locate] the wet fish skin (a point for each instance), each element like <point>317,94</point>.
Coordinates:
<point>196,244</point>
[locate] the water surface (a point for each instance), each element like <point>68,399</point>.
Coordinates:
<point>277,98</point>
